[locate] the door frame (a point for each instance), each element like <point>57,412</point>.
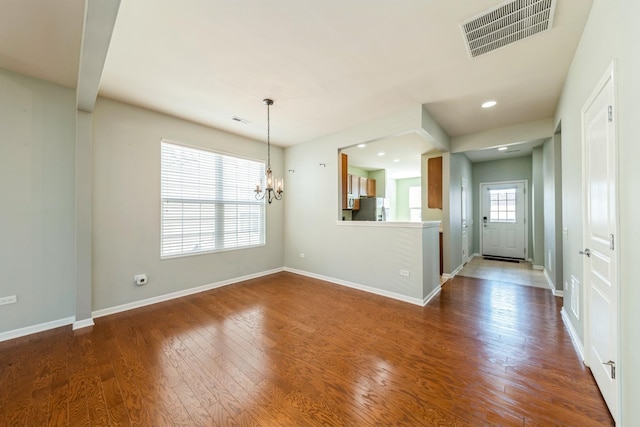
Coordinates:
<point>610,74</point>
<point>525,182</point>
<point>464,213</point>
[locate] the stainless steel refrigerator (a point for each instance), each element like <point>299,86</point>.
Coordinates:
<point>371,209</point>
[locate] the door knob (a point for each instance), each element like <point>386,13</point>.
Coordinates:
<point>586,252</point>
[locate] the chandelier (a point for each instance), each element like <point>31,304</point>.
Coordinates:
<point>274,187</point>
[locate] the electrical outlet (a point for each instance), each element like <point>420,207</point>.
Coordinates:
<point>301,255</point>
<point>9,300</point>
<point>404,273</point>
<point>140,279</point>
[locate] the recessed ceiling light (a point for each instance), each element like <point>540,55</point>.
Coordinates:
<point>489,104</point>
<point>396,160</point>
<point>503,148</point>
<point>382,153</point>
<point>362,145</point>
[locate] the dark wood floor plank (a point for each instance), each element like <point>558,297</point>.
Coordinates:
<point>291,350</point>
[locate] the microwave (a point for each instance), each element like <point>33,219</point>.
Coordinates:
<point>350,201</point>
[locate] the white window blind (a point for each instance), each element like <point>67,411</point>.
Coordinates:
<point>208,202</point>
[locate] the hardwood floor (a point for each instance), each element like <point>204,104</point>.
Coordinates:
<point>290,350</point>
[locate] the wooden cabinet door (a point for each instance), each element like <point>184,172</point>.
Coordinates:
<point>371,187</point>
<point>343,179</point>
<point>434,175</point>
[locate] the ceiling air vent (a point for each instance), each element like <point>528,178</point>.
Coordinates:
<point>507,23</point>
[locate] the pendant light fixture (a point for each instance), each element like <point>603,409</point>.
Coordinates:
<point>274,187</point>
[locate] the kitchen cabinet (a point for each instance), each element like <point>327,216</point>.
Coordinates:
<point>371,187</point>
<point>434,186</point>
<point>343,179</point>
<point>362,186</point>
<point>355,186</point>
<point>367,187</point>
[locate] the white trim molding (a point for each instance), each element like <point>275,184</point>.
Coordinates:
<point>178,294</point>
<point>573,334</point>
<point>34,329</point>
<point>556,293</point>
<point>79,324</point>
<point>393,295</point>
<point>447,276</point>
<point>432,295</point>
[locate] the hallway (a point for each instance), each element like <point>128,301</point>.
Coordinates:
<point>519,273</point>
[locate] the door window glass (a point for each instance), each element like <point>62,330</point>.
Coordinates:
<point>503,205</point>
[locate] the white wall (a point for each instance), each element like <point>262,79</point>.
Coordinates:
<point>611,33</point>
<point>126,208</point>
<point>37,193</point>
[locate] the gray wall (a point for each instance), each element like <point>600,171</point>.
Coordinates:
<point>459,166</point>
<point>126,208</point>
<point>344,250</point>
<point>37,189</point>
<point>537,207</point>
<point>552,172</point>
<point>611,34</point>
<point>500,170</point>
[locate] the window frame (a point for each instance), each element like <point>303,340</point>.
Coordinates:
<point>261,217</point>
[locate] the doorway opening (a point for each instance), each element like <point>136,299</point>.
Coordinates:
<point>503,219</point>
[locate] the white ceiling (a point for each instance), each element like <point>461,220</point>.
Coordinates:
<point>41,38</point>
<point>328,65</point>
<point>401,159</point>
<point>521,149</point>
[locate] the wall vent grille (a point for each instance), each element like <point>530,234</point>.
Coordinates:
<point>507,23</point>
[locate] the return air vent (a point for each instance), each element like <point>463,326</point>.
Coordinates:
<point>507,23</point>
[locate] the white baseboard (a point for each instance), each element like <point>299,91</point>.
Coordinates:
<point>446,276</point>
<point>433,293</point>
<point>556,293</point>
<point>396,296</point>
<point>573,334</point>
<point>178,294</point>
<point>34,329</point>
<point>17,333</point>
<point>537,267</point>
<point>79,324</point>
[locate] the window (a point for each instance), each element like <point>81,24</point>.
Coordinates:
<point>415,203</point>
<point>503,205</point>
<point>208,202</point>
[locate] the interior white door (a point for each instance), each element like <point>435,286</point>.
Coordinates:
<point>503,219</point>
<point>600,262</point>
<point>465,225</point>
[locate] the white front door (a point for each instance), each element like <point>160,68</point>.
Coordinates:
<point>600,262</point>
<point>503,220</point>
<point>465,225</point>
